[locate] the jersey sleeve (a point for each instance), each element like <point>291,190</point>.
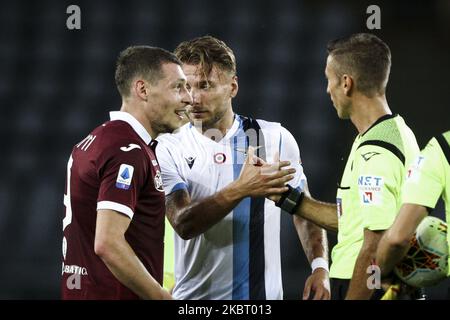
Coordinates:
<point>425,177</point>
<point>379,177</point>
<point>122,176</point>
<point>289,151</point>
<point>170,170</point>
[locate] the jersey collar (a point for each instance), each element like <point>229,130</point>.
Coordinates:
<point>133,122</point>
<point>381,119</point>
<point>230,132</point>
<point>234,128</point>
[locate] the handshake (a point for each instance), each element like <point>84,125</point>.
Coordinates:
<point>261,179</point>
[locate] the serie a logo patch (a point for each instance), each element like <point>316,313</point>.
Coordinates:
<point>124,177</point>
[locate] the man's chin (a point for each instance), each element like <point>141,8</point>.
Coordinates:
<point>198,117</point>
<point>343,116</point>
<point>171,127</point>
<point>201,121</point>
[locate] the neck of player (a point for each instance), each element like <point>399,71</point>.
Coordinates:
<point>366,111</point>
<point>140,116</point>
<point>223,124</point>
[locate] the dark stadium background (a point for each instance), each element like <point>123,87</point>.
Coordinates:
<point>56,85</point>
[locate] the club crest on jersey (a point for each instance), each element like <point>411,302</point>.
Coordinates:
<point>158,181</point>
<point>220,158</point>
<point>190,161</point>
<point>370,189</point>
<point>124,177</point>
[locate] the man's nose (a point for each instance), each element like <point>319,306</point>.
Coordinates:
<point>195,97</point>
<point>187,97</point>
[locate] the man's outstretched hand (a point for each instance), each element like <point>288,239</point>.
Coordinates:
<point>261,179</point>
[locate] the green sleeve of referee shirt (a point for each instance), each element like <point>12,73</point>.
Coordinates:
<point>425,180</point>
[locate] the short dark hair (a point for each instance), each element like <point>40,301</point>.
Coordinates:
<point>143,61</point>
<point>207,51</point>
<point>365,57</point>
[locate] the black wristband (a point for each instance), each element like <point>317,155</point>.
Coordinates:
<point>290,200</point>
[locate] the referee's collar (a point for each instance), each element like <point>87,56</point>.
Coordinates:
<point>133,122</point>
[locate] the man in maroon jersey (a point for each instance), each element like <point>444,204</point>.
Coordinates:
<point>114,222</point>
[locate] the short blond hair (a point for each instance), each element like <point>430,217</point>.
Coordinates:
<point>207,52</point>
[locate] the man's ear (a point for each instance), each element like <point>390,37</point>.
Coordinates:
<point>141,89</point>
<point>234,87</point>
<point>347,84</point>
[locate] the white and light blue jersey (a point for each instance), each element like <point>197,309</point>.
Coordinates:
<point>239,257</point>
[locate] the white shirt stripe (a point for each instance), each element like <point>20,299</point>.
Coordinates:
<point>115,206</point>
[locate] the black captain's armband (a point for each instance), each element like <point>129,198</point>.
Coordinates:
<point>290,200</point>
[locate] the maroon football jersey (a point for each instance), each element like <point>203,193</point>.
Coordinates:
<point>114,167</point>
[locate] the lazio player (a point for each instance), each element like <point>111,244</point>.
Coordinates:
<point>428,179</point>
<point>227,240</point>
<point>368,196</point>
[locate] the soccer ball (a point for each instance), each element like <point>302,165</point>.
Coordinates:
<point>426,262</point>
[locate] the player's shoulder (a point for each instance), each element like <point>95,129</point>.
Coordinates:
<point>276,128</point>
<point>388,138</point>
<point>432,146</point>
<point>264,124</point>
<point>447,136</point>
<point>443,140</point>
<point>386,129</point>
<point>169,143</point>
<point>275,132</point>
<point>273,127</point>
<point>117,137</point>
<point>439,146</point>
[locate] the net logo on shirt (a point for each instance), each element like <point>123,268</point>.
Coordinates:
<point>370,189</point>
<point>124,177</point>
